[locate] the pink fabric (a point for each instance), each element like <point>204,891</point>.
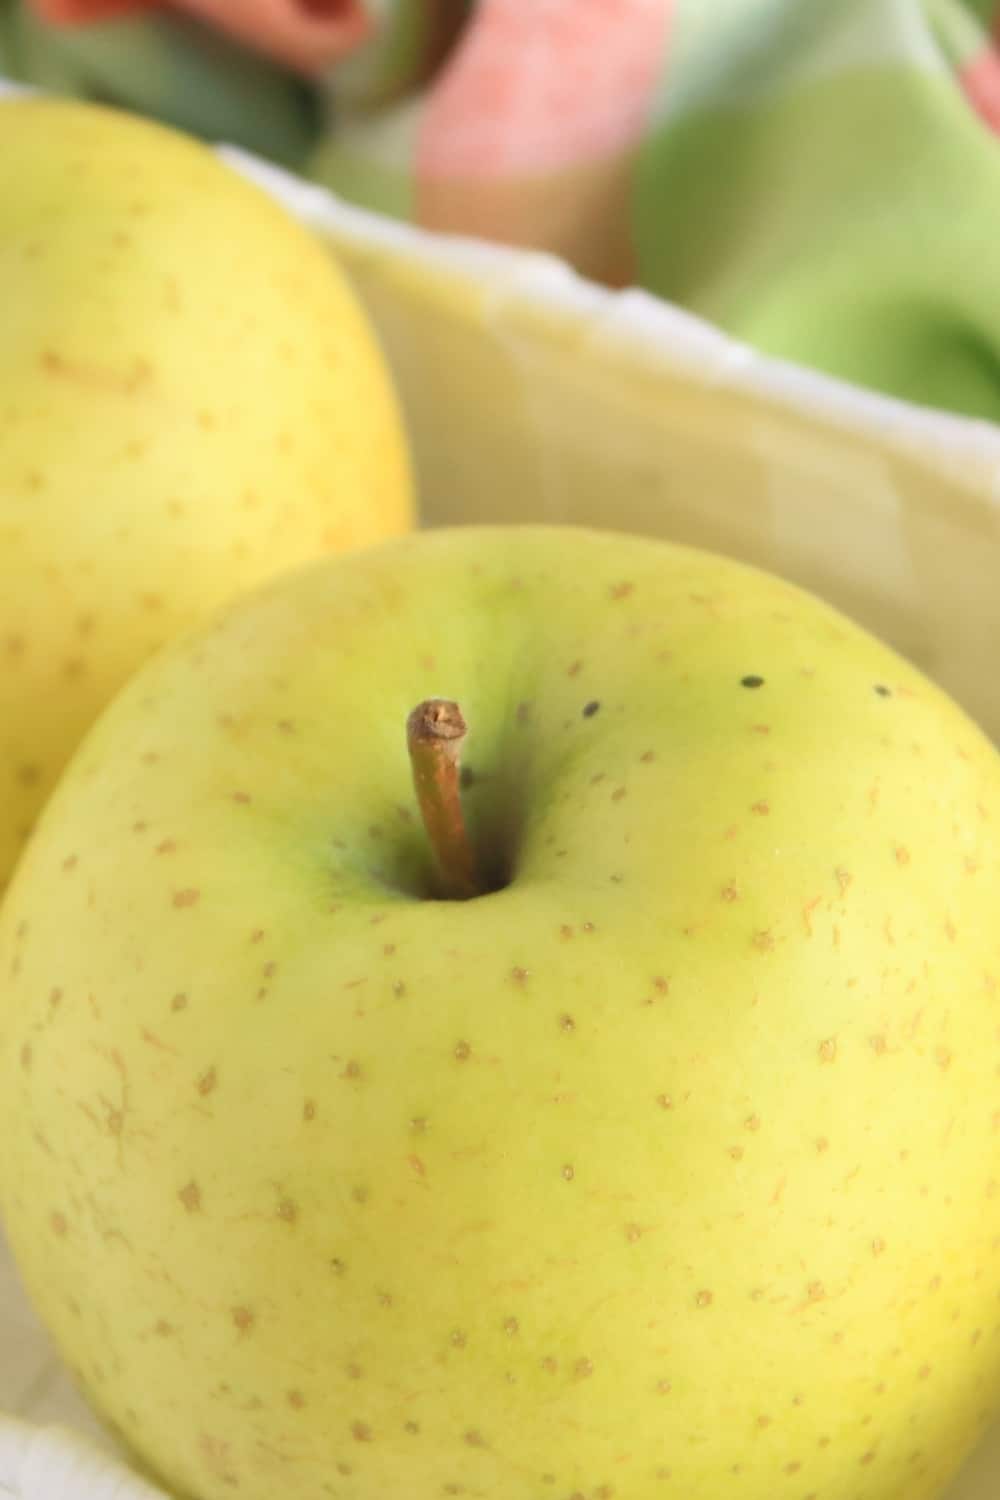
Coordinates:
<point>537,85</point>
<point>308,35</point>
<point>980,79</point>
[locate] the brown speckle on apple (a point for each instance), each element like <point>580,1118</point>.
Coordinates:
<point>207,1082</point>
<point>190,1196</point>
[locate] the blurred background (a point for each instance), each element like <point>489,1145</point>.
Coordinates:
<point>820,178</point>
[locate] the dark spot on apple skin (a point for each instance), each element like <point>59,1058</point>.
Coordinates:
<point>882,690</point>
<point>751,681</point>
<point>190,1196</point>
<point>591,708</point>
<point>466,777</point>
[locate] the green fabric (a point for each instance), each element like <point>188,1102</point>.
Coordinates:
<point>818,177</point>
<point>847,224</point>
<point>171,69</point>
<point>362,178</point>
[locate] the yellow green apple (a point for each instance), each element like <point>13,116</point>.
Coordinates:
<point>190,400</point>
<point>664,1165</point>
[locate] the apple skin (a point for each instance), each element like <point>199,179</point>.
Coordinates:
<point>190,401</point>
<point>667,1169</point>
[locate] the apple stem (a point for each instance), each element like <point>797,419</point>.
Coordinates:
<point>435,731</point>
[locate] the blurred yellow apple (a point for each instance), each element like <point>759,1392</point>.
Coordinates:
<point>190,400</point>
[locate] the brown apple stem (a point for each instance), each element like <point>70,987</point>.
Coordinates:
<point>435,731</point>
